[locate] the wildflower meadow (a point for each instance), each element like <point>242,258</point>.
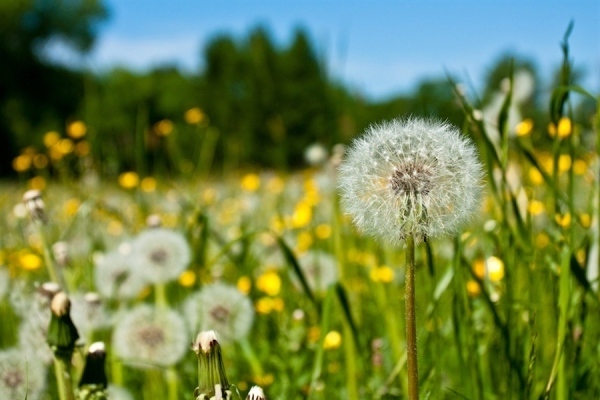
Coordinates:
<point>418,258</point>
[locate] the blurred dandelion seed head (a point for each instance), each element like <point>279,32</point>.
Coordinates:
<point>414,176</point>
<point>150,336</point>
<point>20,377</point>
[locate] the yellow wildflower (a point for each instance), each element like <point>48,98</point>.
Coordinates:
<point>129,180</point>
<point>250,182</point>
<point>30,261</point>
<point>187,278</point>
<point>76,129</point>
<point>333,340</point>
<point>269,283</point>
<point>244,284</point>
<point>524,127</point>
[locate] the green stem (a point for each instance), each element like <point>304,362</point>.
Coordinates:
<point>52,271</point>
<point>248,352</point>
<point>160,296</point>
<point>172,384</point>
<point>350,361</point>
<point>63,380</point>
<point>411,326</point>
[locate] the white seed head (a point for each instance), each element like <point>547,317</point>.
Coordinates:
<point>417,177</point>
<point>32,199</point>
<point>256,393</point>
<point>154,221</point>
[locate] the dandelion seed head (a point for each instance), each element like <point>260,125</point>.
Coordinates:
<point>150,336</point>
<point>413,176</point>
<point>116,278</point>
<point>161,254</point>
<point>222,308</point>
<point>20,375</point>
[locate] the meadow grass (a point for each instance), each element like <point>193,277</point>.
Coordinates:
<point>508,308</point>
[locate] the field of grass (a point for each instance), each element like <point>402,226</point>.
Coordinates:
<point>303,304</point>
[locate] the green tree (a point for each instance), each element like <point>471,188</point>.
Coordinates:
<point>34,94</point>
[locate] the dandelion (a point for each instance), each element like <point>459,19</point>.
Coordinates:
<point>411,177</point>
<point>315,155</point>
<point>406,181</point>
<point>220,307</point>
<point>212,379</point>
<point>115,278</point>
<point>150,336</point>
<point>20,377</point>
<point>161,254</point>
<point>93,380</point>
<point>88,313</point>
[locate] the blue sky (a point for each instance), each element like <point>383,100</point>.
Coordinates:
<point>378,47</point>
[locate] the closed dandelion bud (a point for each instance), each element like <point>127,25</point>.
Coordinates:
<point>35,205</point>
<point>62,333</point>
<point>256,393</point>
<point>93,382</point>
<point>212,380</point>
<point>60,250</point>
<point>413,177</point>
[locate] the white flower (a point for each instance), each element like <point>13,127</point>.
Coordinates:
<point>115,277</point>
<point>413,176</point>
<point>20,376</point>
<point>161,254</point>
<point>147,337</point>
<point>315,154</point>
<point>256,393</point>
<point>222,308</point>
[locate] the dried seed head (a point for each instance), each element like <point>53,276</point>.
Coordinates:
<point>205,341</point>
<point>154,221</point>
<point>60,250</point>
<point>35,205</point>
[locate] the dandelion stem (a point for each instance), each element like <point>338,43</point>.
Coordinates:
<point>52,271</point>
<point>63,380</point>
<point>411,326</point>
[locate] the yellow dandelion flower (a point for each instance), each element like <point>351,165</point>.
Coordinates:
<point>187,278</point>
<point>51,138</point>
<point>473,288</point>
<point>382,274</point>
<point>129,180</point>
<point>541,240</point>
<point>580,167</point>
<point>564,127</point>
<point>479,268</point>
<point>37,182</point>
<point>302,215</point>
<point>333,340</point>
<point>71,206</point>
<point>264,305</point>
<point>194,116</point>
<point>585,220</point>
<point>250,182</point>
<point>314,332</point>
<point>551,129</point>
<point>76,129</point>
<point>209,196</point>
<point>40,161</point>
<point>148,184</point>
<point>30,261</point>
<point>269,283</point>
<point>535,176</point>
<point>264,380</point>
<point>163,127</point>
<point>536,207</point>
<point>564,162</point>
<point>323,231</point>
<point>304,242</point>
<point>114,228</point>
<point>563,220</point>
<point>244,284</point>
<point>524,127</point>
<point>65,146</point>
<point>82,149</point>
<point>278,304</point>
<point>494,268</point>
<point>22,163</point>
<point>275,185</point>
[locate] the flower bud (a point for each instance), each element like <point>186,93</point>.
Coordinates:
<point>256,393</point>
<point>212,380</point>
<point>93,380</point>
<point>62,333</point>
<point>60,250</point>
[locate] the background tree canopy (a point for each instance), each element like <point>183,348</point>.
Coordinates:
<point>255,102</point>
